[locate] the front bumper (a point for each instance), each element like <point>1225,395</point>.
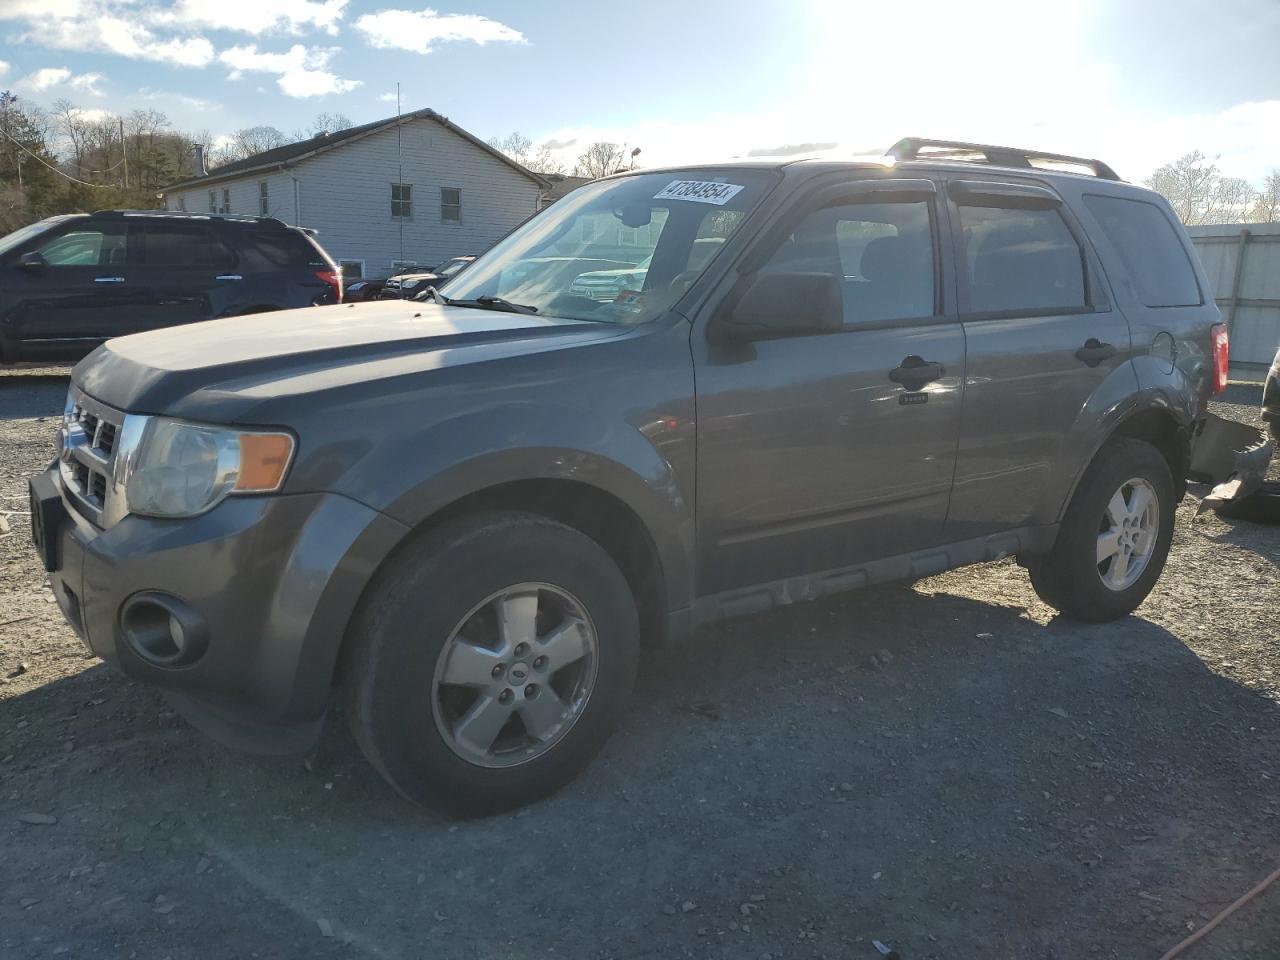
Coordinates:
<point>273,581</point>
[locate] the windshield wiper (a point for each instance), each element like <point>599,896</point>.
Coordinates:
<point>481,303</point>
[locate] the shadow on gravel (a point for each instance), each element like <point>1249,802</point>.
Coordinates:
<point>985,786</point>
<point>24,396</point>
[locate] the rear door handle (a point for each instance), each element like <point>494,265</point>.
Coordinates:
<point>1094,352</point>
<point>915,372</point>
<point>108,279</point>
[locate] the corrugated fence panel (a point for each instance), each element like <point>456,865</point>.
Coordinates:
<point>1255,324</point>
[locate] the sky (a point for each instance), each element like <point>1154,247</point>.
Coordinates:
<point>1133,82</point>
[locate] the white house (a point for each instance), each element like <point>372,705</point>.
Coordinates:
<point>407,191</point>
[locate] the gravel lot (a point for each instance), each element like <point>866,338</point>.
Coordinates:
<point>942,767</point>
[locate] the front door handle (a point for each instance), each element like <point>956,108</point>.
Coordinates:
<point>914,372</point>
<point>108,279</point>
<point>1094,352</point>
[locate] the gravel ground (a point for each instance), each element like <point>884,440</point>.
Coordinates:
<point>944,767</point>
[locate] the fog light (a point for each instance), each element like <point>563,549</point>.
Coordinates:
<point>163,630</point>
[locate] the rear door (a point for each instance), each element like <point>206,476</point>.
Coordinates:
<point>83,294</point>
<point>820,452</point>
<point>189,273</point>
<point>1044,344</point>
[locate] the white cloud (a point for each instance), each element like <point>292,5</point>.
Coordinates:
<point>300,71</point>
<point>179,99</point>
<point>88,83</point>
<point>418,30</point>
<point>253,16</point>
<point>4,68</point>
<point>388,97</point>
<point>44,78</point>
<point>92,31</point>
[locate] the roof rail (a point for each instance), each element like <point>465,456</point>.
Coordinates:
<point>917,148</point>
<point>191,215</point>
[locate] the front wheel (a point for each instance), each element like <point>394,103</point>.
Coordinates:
<point>490,662</point>
<point>1114,538</point>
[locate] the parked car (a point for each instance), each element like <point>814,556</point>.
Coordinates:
<point>1271,398</point>
<point>610,284</point>
<point>363,288</point>
<point>472,518</point>
<point>68,283</point>
<point>405,285</point>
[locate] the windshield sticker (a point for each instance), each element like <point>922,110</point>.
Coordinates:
<point>699,191</point>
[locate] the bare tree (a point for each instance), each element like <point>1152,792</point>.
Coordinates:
<point>1266,205</point>
<point>1188,184</point>
<point>515,145</point>
<point>599,160</point>
<point>324,122</point>
<point>1230,202</point>
<point>545,161</point>
<point>248,141</point>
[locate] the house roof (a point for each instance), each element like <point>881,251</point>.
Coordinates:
<point>293,152</point>
<point>562,183</point>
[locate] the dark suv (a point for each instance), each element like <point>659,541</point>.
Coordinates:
<point>473,515</point>
<point>69,283</point>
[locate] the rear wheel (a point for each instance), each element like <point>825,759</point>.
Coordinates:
<point>1114,538</point>
<point>490,662</point>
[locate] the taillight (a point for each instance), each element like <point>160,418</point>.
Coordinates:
<point>331,278</point>
<point>1221,351</point>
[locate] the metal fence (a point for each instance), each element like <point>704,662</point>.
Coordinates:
<point>1242,261</point>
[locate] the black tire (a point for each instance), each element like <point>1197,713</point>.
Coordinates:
<point>1068,577</point>
<point>409,614</point>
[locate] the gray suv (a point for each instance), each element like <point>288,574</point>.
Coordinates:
<point>468,519</point>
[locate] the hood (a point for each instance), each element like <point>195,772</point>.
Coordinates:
<point>181,371</point>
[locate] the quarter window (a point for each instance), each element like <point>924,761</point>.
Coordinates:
<point>882,254</point>
<point>402,200</point>
<point>450,203</point>
<point>1150,249</point>
<point>1020,261</point>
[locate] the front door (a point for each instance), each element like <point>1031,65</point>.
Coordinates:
<point>820,452</point>
<point>78,294</point>
<point>1043,339</point>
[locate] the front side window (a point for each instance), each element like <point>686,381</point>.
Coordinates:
<point>1020,261</point>
<point>1149,247</point>
<point>450,204</point>
<point>569,261</point>
<point>91,247</point>
<point>402,200</point>
<point>881,253</point>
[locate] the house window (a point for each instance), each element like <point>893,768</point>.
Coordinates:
<point>226,200</point>
<point>264,200</point>
<point>213,201</point>
<point>451,203</point>
<point>351,269</point>
<point>402,200</point>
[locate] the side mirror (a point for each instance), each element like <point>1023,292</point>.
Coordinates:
<point>32,260</point>
<point>774,305</point>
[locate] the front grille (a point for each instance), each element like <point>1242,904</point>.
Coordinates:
<point>90,434</point>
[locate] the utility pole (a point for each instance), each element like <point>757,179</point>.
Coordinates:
<point>124,155</point>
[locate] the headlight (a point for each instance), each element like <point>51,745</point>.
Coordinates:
<point>409,284</point>
<point>183,469</point>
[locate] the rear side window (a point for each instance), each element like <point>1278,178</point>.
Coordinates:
<point>1020,261</point>
<point>88,247</point>
<point>181,245</point>
<point>1150,249</point>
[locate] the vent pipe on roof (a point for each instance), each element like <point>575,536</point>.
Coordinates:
<point>201,169</point>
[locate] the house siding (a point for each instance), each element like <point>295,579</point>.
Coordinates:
<point>345,194</point>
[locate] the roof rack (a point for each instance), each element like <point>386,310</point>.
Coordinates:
<point>917,148</point>
<point>191,215</point>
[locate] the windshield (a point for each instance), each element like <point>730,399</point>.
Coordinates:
<point>451,267</point>
<point>23,234</point>
<point>664,226</point>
